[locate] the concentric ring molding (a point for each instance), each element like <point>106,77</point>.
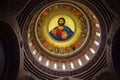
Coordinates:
<point>90,50</point>
<point>73,59</point>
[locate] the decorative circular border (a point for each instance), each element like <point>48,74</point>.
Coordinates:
<point>78,49</point>
<point>61,72</point>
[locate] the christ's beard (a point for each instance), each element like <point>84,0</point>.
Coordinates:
<point>61,24</point>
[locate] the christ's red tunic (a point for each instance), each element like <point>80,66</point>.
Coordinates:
<point>59,32</point>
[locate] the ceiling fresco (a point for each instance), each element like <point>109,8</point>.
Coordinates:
<point>62,39</point>
<point>64,36</point>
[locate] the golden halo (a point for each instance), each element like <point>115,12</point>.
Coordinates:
<point>54,22</point>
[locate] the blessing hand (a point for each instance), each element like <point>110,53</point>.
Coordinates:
<point>64,35</point>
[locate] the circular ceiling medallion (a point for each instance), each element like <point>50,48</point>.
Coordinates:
<point>62,29</point>
<point>64,36</point>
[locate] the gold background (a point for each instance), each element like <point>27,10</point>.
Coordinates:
<point>50,21</point>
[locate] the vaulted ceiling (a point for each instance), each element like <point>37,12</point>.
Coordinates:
<point>29,52</point>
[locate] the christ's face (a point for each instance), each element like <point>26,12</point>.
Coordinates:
<point>61,22</point>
